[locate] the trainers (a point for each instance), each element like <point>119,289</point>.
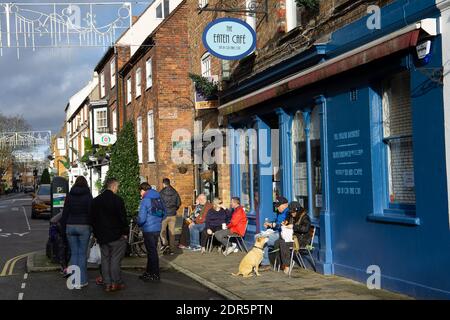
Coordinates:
<point>230,249</point>
<point>155,277</point>
<point>163,248</point>
<point>196,249</point>
<point>180,246</point>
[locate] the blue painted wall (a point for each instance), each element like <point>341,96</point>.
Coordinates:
<point>413,259</point>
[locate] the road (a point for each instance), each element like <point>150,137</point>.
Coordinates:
<point>20,235</point>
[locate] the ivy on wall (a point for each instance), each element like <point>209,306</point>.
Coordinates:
<point>308,4</point>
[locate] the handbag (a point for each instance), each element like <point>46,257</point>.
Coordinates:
<point>95,255</point>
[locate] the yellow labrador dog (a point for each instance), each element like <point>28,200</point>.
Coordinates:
<point>252,259</point>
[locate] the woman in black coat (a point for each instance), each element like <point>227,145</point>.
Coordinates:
<point>299,221</point>
<point>77,221</point>
<point>216,216</point>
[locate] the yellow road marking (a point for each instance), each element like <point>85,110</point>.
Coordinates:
<point>11,262</point>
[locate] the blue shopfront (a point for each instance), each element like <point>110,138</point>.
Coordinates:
<point>354,129</point>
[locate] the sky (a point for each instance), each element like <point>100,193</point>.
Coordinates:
<point>39,83</point>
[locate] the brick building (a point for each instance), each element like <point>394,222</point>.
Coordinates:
<point>157,95</point>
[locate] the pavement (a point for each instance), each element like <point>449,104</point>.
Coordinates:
<point>22,241</point>
<point>213,271</point>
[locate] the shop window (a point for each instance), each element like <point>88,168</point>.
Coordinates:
<point>397,138</point>
<point>300,165</point>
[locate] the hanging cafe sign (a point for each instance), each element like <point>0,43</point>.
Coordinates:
<point>229,38</point>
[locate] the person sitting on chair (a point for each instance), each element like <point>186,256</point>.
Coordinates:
<point>299,221</point>
<point>198,224</point>
<point>215,218</point>
<point>237,226</point>
<point>197,211</point>
<point>281,205</point>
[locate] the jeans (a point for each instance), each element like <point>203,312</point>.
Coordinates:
<point>195,234</point>
<point>170,222</point>
<point>273,237</point>
<point>151,243</point>
<point>78,238</point>
<point>112,255</point>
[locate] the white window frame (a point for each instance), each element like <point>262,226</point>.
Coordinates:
<point>202,3</point>
<point>291,15</point>
<point>206,65</point>
<point>138,79</point>
<point>149,73</point>
<point>129,95</point>
<point>139,138</point>
<point>164,11</point>
<point>102,85</point>
<point>151,136</point>
<point>114,120</point>
<point>113,73</point>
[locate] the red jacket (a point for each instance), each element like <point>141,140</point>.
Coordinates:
<point>238,221</point>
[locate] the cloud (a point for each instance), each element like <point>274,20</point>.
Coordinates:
<point>39,84</point>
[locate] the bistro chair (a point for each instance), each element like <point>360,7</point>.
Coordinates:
<point>239,240</point>
<point>210,242</point>
<point>306,250</point>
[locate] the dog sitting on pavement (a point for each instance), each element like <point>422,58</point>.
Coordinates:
<point>252,259</point>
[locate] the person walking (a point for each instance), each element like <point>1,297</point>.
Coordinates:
<point>151,215</point>
<point>109,221</point>
<point>172,203</point>
<point>77,221</point>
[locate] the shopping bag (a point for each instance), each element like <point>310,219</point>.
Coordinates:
<point>287,234</point>
<point>95,254</point>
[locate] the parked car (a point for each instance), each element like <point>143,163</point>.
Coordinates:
<point>41,204</point>
<point>28,189</point>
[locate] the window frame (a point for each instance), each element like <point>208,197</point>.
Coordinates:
<point>129,93</point>
<point>102,85</point>
<point>149,73</point>
<point>138,82</point>
<point>112,69</point>
<point>206,71</point>
<point>151,137</point>
<point>383,210</point>
<point>139,138</point>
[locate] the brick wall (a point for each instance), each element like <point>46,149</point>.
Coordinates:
<point>169,99</point>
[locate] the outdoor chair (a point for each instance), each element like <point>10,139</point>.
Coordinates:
<point>298,253</point>
<point>239,240</point>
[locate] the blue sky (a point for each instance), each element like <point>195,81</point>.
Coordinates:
<point>39,83</point>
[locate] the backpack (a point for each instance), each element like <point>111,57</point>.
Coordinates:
<point>158,209</point>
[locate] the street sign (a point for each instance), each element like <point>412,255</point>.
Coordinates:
<point>229,38</point>
<point>59,190</point>
<point>107,139</point>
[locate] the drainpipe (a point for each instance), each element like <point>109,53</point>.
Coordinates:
<point>116,58</point>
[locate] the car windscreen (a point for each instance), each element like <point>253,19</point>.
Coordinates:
<point>44,191</point>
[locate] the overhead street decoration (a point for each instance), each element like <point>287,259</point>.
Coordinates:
<point>20,140</point>
<point>50,25</point>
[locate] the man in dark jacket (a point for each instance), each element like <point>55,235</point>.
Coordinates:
<point>172,202</point>
<point>109,220</point>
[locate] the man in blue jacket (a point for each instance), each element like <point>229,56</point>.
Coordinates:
<point>151,214</point>
<point>282,207</point>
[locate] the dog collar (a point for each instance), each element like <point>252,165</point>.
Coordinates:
<point>258,248</point>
